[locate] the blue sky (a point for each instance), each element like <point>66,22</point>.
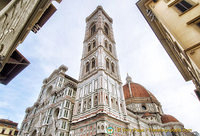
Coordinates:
<point>139,52</point>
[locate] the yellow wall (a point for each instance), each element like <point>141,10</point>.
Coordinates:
<point>6,131</point>
<point>186,35</point>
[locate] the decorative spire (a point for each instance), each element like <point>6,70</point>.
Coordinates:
<point>128,79</point>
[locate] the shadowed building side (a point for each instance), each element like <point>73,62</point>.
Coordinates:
<point>17,19</point>
<point>177,26</point>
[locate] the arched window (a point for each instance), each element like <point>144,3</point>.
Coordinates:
<point>93,63</point>
<point>144,107</point>
<point>106,28</point>
<point>95,101</point>
<point>94,44</point>
<point>56,113</point>
<point>107,100</point>
<point>89,47</point>
<point>113,67</point>
<point>106,44</point>
<point>89,104</point>
<point>110,48</point>
<point>87,66</point>
<point>107,63</point>
<point>93,29</point>
<point>84,106</point>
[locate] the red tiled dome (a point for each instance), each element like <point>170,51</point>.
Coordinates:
<point>168,118</point>
<point>138,91</point>
<point>139,94</point>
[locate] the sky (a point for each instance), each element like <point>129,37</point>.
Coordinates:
<point>140,54</point>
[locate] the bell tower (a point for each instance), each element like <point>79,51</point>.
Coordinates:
<point>99,102</point>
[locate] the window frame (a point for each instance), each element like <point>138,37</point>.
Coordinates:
<point>110,48</point>
<point>107,64</point>
<point>113,67</point>
<point>92,29</point>
<point>87,67</point>
<point>106,44</point>
<point>89,47</point>
<point>94,44</point>
<point>175,2</point>
<point>106,28</point>
<point>93,63</point>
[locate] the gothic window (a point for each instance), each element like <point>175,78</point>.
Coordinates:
<point>184,5</point>
<point>63,125</point>
<point>110,48</point>
<point>89,47</point>
<point>66,113</point>
<point>70,92</point>
<point>93,63</point>
<point>144,107</point>
<point>95,101</point>
<point>93,29</point>
<point>112,103</point>
<point>74,93</point>
<point>107,100</point>
<point>106,44</point>
<point>89,104</point>
<point>87,66</point>
<point>107,63</point>
<point>106,28</point>
<point>84,106</point>
<point>79,108</point>
<point>94,44</point>
<point>56,113</point>
<point>67,104</point>
<point>113,67</point>
<point>47,119</point>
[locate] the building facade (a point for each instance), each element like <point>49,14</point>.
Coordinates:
<point>17,19</point>
<point>51,114</point>
<point>101,104</point>
<point>177,26</point>
<point>8,128</point>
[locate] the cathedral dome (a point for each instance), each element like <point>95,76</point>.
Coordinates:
<point>136,91</point>
<point>168,118</point>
